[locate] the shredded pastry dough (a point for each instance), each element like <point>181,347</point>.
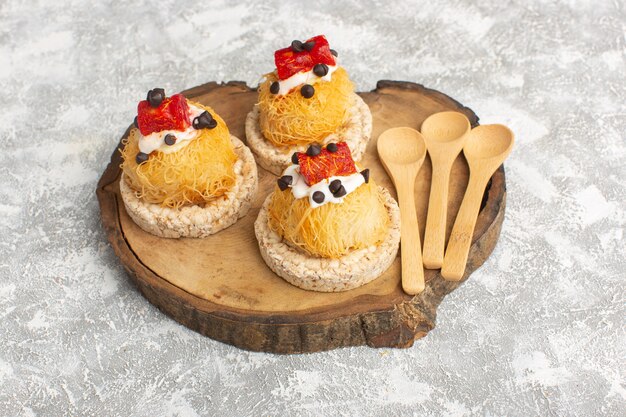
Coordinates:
<point>331,230</point>
<point>193,175</point>
<point>294,120</point>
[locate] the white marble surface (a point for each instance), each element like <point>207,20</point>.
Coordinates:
<point>538,330</point>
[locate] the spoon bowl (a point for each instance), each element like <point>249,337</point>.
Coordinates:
<point>443,127</point>
<point>402,151</point>
<point>488,141</point>
<point>401,146</point>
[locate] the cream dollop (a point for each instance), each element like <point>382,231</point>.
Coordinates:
<point>300,189</point>
<point>156,141</point>
<point>304,77</point>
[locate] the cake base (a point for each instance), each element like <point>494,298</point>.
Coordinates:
<point>221,287</point>
<point>351,271</point>
<point>198,221</point>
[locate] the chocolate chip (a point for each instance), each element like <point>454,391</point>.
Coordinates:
<point>320,70</point>
<point>308,46</point>
<point>275,87</point>
<point>366,175</point>
<point>334,186</point>
<point>294,158</point>
<point>170,139</point>
<point>318,197</point>
<point>307,91</point>
<point>313,150</point>
<point>340,192</point>
<point>156,97</point>
<point>205,120</point>
<point>331,147</point>
<point>135,122</point>
<point>296,46</point>
<point>332,51</point>
<point>141,157</point>
<point>284,182</point>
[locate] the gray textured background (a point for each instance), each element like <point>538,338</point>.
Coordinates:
<point>538,330</point>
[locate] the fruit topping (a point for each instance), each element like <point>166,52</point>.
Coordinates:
<point>171,114</point>
<point>301,57</point>
<point>315,167</point>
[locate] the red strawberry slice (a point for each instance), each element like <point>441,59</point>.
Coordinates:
<point>172,114</point>
<point>289,63</point>
<point>327,164</point>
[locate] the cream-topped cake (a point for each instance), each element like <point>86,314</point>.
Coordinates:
<point>327,226</point>
<point>183,173</point>
<point>308,99</point>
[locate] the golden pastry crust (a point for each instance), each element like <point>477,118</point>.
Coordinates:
<point>350,271</point>
<point>292,119</point>
<point>331,230</point>
<point>198,220</point>
<point>194,172</point>
<point>356,131</point>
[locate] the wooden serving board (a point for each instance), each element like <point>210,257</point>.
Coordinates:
<point>220,286</point>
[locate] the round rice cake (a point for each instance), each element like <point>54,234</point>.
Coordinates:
<point>356,132</point>
<point>198,221</point>
<point>324,274</point>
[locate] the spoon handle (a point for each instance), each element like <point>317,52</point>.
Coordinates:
<point>461,238</point>
<point>435,236</point>
<point>410,247</point>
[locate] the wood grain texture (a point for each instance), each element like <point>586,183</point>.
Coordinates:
<point>444,134</point>
<point>402,150</point>
<point>220,286</point>
<point>485,150</point>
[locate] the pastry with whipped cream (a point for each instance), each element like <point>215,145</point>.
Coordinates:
<point>308,99</point>
<point>183,173</point>
<point>327,226</point>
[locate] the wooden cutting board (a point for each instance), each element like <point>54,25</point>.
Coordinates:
<point>220,286</point>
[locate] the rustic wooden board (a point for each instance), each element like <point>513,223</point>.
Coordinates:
<point>220,286</point>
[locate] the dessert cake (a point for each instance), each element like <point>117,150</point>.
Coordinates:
<point>308,99</point>
<point>327,226</point>
<point>183,173</point>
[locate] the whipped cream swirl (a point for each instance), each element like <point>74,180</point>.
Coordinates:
<point>301,189</point>
<point>156,141</point>
<point>304,77</point>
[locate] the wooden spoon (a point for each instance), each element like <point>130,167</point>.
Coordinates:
<point>402,151</point>
<point>485,149</point>
<point>445,134</point>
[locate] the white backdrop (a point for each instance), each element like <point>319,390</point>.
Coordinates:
<point>538,330</point>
